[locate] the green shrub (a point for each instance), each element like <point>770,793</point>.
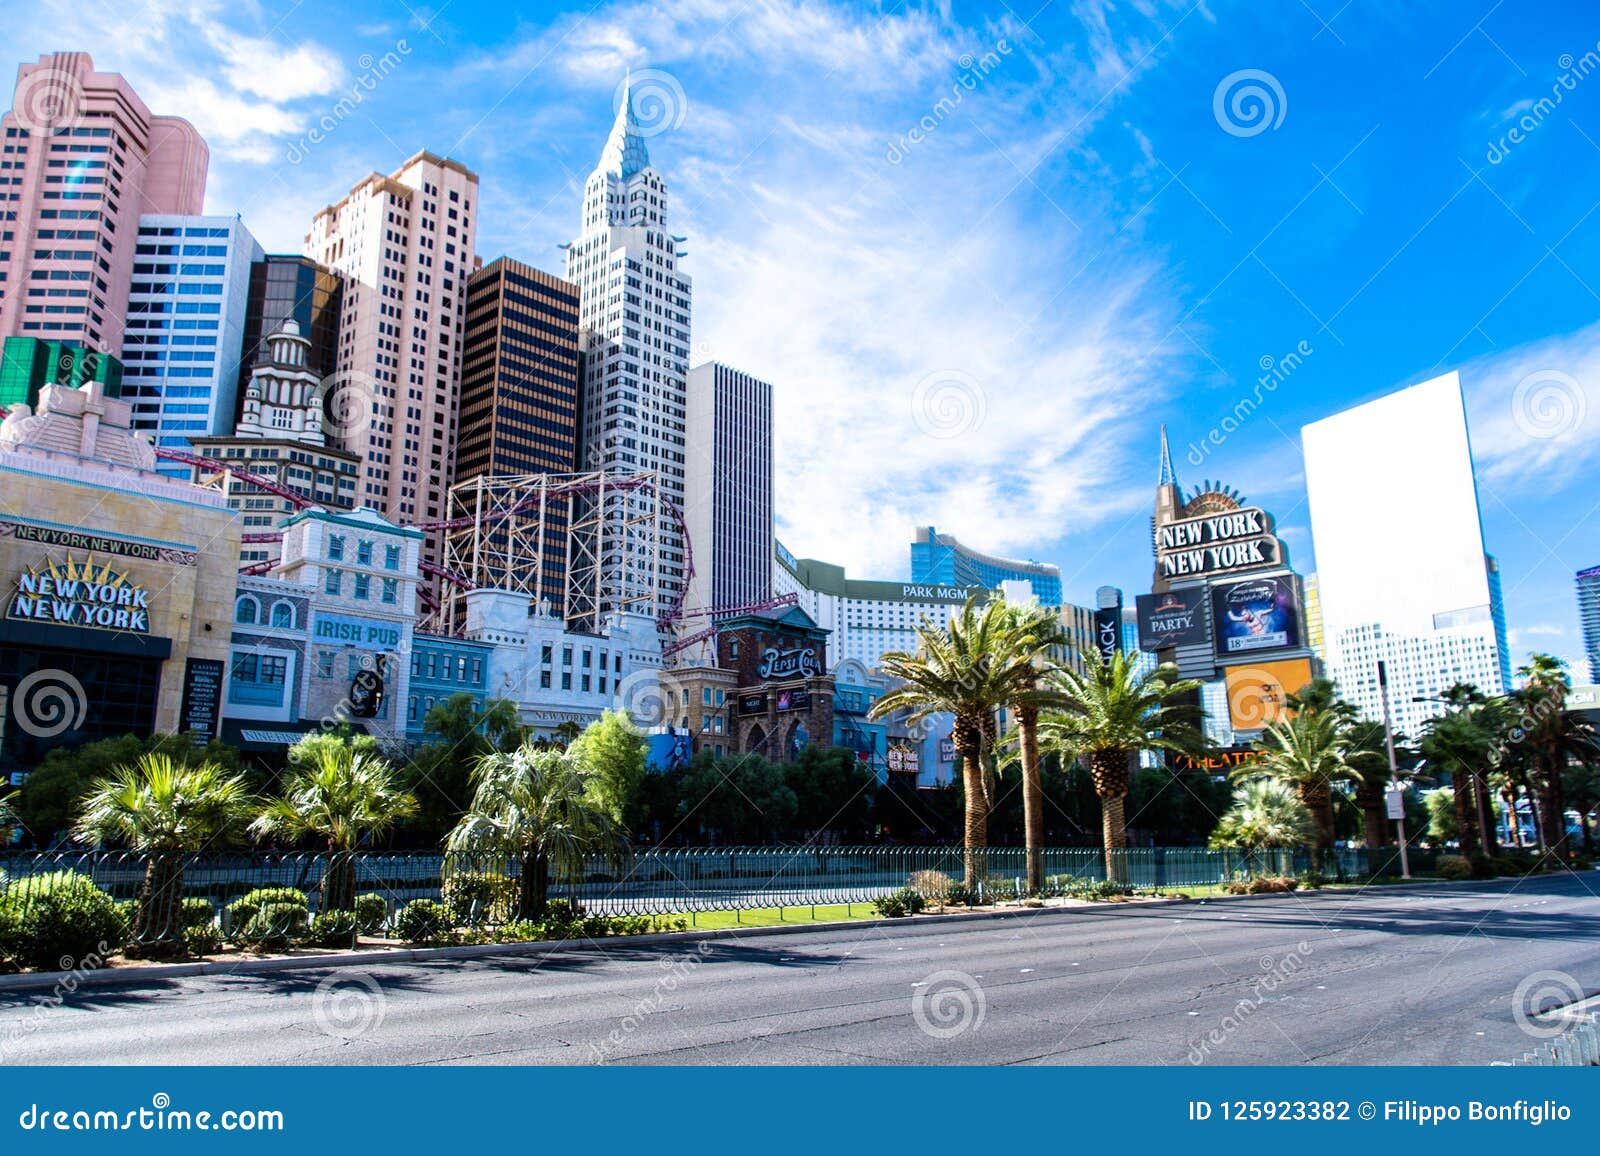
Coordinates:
<point>960,895</point>
<point>1103,890</point>
<point>202,940</point>
<point>198,913</point>
<point>1453,867</point>
<point>422,921</point>
<point>60,921</point>
<point>477,898</point>
<point>332,929</point>
<point>241,911</point>
<point>899,904</point>
<point>372,912</point>
<point>274,927</point>
<point>1313,879</point>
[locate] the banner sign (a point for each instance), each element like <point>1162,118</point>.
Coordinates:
<point>796,699</point>
<point>96,543</point>
<point>367,632</point>
<point>1256,615</point>
<point>1176,618</point>
<point>800,662</point>
<point>1258,695</point>
<point>1108,631</point>
<point>752,704</point>
<point>201,708</point>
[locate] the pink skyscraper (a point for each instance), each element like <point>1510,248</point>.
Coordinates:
<point>83,159</point>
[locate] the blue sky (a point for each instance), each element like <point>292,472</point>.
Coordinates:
<point>981,324</point>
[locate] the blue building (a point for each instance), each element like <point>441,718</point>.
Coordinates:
<point>441,668</point>
<point>942,560</point>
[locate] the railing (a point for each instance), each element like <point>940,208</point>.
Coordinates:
<point>483,890</point>
<point>1577,1048</point>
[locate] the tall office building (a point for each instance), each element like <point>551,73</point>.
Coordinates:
<point>1589,612</point>
<point>941,558</point>
<point>519,395</point>
<point>283,288</point>
<point>27,365</point>
<point>728,488</point>
<point>403,246</point>
<point>84,159</point>
<point>185,332</point>
<point>1402,573</point>
<point>634,318</point>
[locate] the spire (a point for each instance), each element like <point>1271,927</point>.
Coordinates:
<point>625,153</point>
<point>1167,477</point>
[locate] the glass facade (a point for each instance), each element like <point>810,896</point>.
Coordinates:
<point>27,364</point>
<point>288,288</point>
<point>940,558</point>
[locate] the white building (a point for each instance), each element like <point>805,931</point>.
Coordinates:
<point>1402,574</point>
<point>728,491</point>
<point>634,334</point>
<point>404,246</point>
<point>185,328</point>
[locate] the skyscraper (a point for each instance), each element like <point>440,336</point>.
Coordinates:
<point>1402,573</point>
<point>185,331</point>
<point>1589,612</point>
<point>288,287</point>
<point>634,317</point>
<point>85,160</point>
<point>519,395</point>
<point>937,557</point>
<point>403,245</point>
<point>728,496</point>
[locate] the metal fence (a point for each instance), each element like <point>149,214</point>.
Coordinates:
<point>1576,1048</point>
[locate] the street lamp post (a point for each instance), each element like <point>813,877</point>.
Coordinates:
<point>1397,812</point>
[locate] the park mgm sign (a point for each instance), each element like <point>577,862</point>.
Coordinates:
<point>80,593</point>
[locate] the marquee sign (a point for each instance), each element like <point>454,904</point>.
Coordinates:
<point>81,594</point>
<point>903,760</point>
<point>1215,543</point>
<point>800,662</point>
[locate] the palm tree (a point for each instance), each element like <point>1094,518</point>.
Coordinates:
<point>8,818</point>
<point>962,669</point>
<point>165,809</point>
<point>1033,633</point>
<point>1265,813</point>
<point>337,797</point>
<point>1551,738</point>
<point>544,809</point>
<point>1306,753</point>
<point>1365,748</point>
<point>1455,743</point>
<point>1111,713</point>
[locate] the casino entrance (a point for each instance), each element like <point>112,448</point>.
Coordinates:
<point>56,696</point>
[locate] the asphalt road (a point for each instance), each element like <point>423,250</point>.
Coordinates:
<point>1416,975</point>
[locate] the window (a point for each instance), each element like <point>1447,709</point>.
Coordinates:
<point>325,663</point>
<point>336,547</point>
<point>705,724</point>
<point>283,615</point>
<point>566,680</point>
<point>246,610</point>
<point>566,656</point>
<point>705,696</point>
<point>363,586</point>
<point>333,581</point>
<point>544,680</point>
<point>391,557</point>
<point>354,665</point>
<point>391,590</point>
<point>364,552</point>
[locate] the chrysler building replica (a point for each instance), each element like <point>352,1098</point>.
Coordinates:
<point>634,333</point>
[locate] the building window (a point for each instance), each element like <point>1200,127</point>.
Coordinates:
<point>246,611</point>
<point>336,547</point>
<point>477,671</point>
<point>354,665</point>
<point>364,552</point>
<point>705,696</point>
<point>544,680</point>
<point>391,590</point>
<point>566,656</point>
<point>333,581</point>
<point>325,663</point>
<point>391,557</point>
<point>363,586</point>
<point>283,615</point>
<point>566,680</point>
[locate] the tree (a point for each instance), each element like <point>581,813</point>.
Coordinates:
<point>1461,743</point>
<point>740,800</point>
<point>457,733</point>
<point>1582,788</point>
<point>613,749</point>
<point>8,817</point>
<point>164,808</point>
<point>1365,749</point>
<point>834,793</point>
<point>542,808</point>
<point>961,670</point>
<point>1305,752</point>
<point>1551,738</point>
<point>1111,713</point>
<point>1443,822</point>
<point>338,798</point>
<point>1033,632</point>
<point>1265,813</point>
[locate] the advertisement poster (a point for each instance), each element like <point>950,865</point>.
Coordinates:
<point>1255,615</point>
<point>1176,618</point>
<point>1258,695</point>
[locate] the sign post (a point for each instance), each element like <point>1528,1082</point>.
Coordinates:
<point>1396,797</point>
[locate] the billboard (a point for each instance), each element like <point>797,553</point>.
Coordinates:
<point>1256,614</point>
<point>1239,539</point>
<point>1258,694</point>
<point>1176,618</point>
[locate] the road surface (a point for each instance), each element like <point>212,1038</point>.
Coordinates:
<point>1412,975</point>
